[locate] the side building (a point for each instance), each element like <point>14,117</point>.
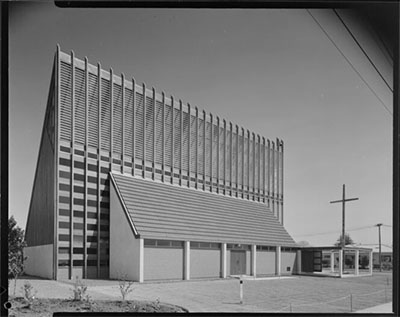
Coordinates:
<point>130,182</point>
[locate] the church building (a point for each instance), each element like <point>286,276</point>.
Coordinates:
<point>133,183</point>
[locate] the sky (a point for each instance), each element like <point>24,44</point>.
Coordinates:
<point>273,71</point>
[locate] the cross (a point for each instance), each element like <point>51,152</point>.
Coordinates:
<point>343,201</point>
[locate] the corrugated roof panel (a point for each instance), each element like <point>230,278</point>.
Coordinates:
<point>166,211</point>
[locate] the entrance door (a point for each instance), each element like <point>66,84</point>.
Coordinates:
<point>238,262</point>
<point>311,261</point>
<point>307,261</point>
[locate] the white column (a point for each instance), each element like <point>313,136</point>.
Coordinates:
<point>278,261</point>
<point>332,261</point>
<point>186,267</point>
<point>298,262</point>
<point>223,260</point>
<point>371,263</point>
<point>340,263</point>
<point>253,260</point>
<point>356,261</point>
<point>141,260</point>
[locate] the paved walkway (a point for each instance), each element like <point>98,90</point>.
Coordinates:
<point>384,308</point>
<point>295,293</point>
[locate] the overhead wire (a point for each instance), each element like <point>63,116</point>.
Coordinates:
<point>362,49</point>
<point>338,231</point>
<point>383,47</point>
<point>348,61</point>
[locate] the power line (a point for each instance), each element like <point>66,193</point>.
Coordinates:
<point>348,61</point>
<point>361,48</point>
<point>334,232</point>
<point>383,47</point>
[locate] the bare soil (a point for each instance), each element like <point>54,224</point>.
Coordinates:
<point>44,307</point>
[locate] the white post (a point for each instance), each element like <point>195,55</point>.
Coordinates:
<point>340,262</point>
<point>241,290</point>
<point>356,261</point>
<point>186,269</point>
<point>298,266</point>
<point>278,261</point>
<point>371,263</point>
<point>253,260</point>
<point>332,261</point>
<point>141,260</point>
<point>223,260</point>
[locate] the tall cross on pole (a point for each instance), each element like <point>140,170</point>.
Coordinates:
<point>343,201</point>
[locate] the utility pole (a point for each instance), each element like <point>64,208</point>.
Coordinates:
<point>343,201</point>
<point>380,248</point>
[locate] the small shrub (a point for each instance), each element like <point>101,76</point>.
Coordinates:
<point>29,293</point>
<point>79,291</point>
<point>16,244</point>
<point>125,287</point>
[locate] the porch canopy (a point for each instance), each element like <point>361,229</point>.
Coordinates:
<point>312,260</point>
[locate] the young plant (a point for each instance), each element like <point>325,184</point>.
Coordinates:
<point>29,293</point>
<point>79,291</point>
<point>16,244</point>
<point>125,287</point>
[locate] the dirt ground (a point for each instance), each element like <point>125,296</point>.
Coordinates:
<point>45,307</point>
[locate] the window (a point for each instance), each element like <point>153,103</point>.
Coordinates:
<point>163,243</point>
<point>205,245</point>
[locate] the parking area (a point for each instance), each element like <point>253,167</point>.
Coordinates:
<point>286,294</point>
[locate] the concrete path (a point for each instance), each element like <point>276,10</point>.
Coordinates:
<point>286,294</point>
<point>384,308</point>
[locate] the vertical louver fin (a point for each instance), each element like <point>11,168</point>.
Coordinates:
<point>93,111</point>
<point>208,148</point>
<point>251,178</point>
<point>214,150</point>
<point>177,138</point>
<point>193,145</point>
<point>159,133</point>
<point>117,118</point>
<point>139,126</point>
<point>246,164</point>
<point>233,163</point>
<point>257,172</point>
<point>240,160</point>
<point>149,128</point>
<point>128,122</point>
<point>105,114</point>
<point>221,156</point>
<point>79,113</point>
<point>168,135</point>
<point>65,101</point>
<point>185,139</point>
<point>228,155</point>
<point>201,146</point>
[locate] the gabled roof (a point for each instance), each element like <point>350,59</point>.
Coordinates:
<point>164,211</point>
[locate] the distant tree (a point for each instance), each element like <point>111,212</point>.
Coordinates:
<point>347,240</point>
<point>364,261</point>
<point>16,244</point>
<point>303,243</point>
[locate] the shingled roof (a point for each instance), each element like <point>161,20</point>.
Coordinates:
<point>164,211</point>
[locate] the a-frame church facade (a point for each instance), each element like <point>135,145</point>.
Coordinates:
<point>131,182</point>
